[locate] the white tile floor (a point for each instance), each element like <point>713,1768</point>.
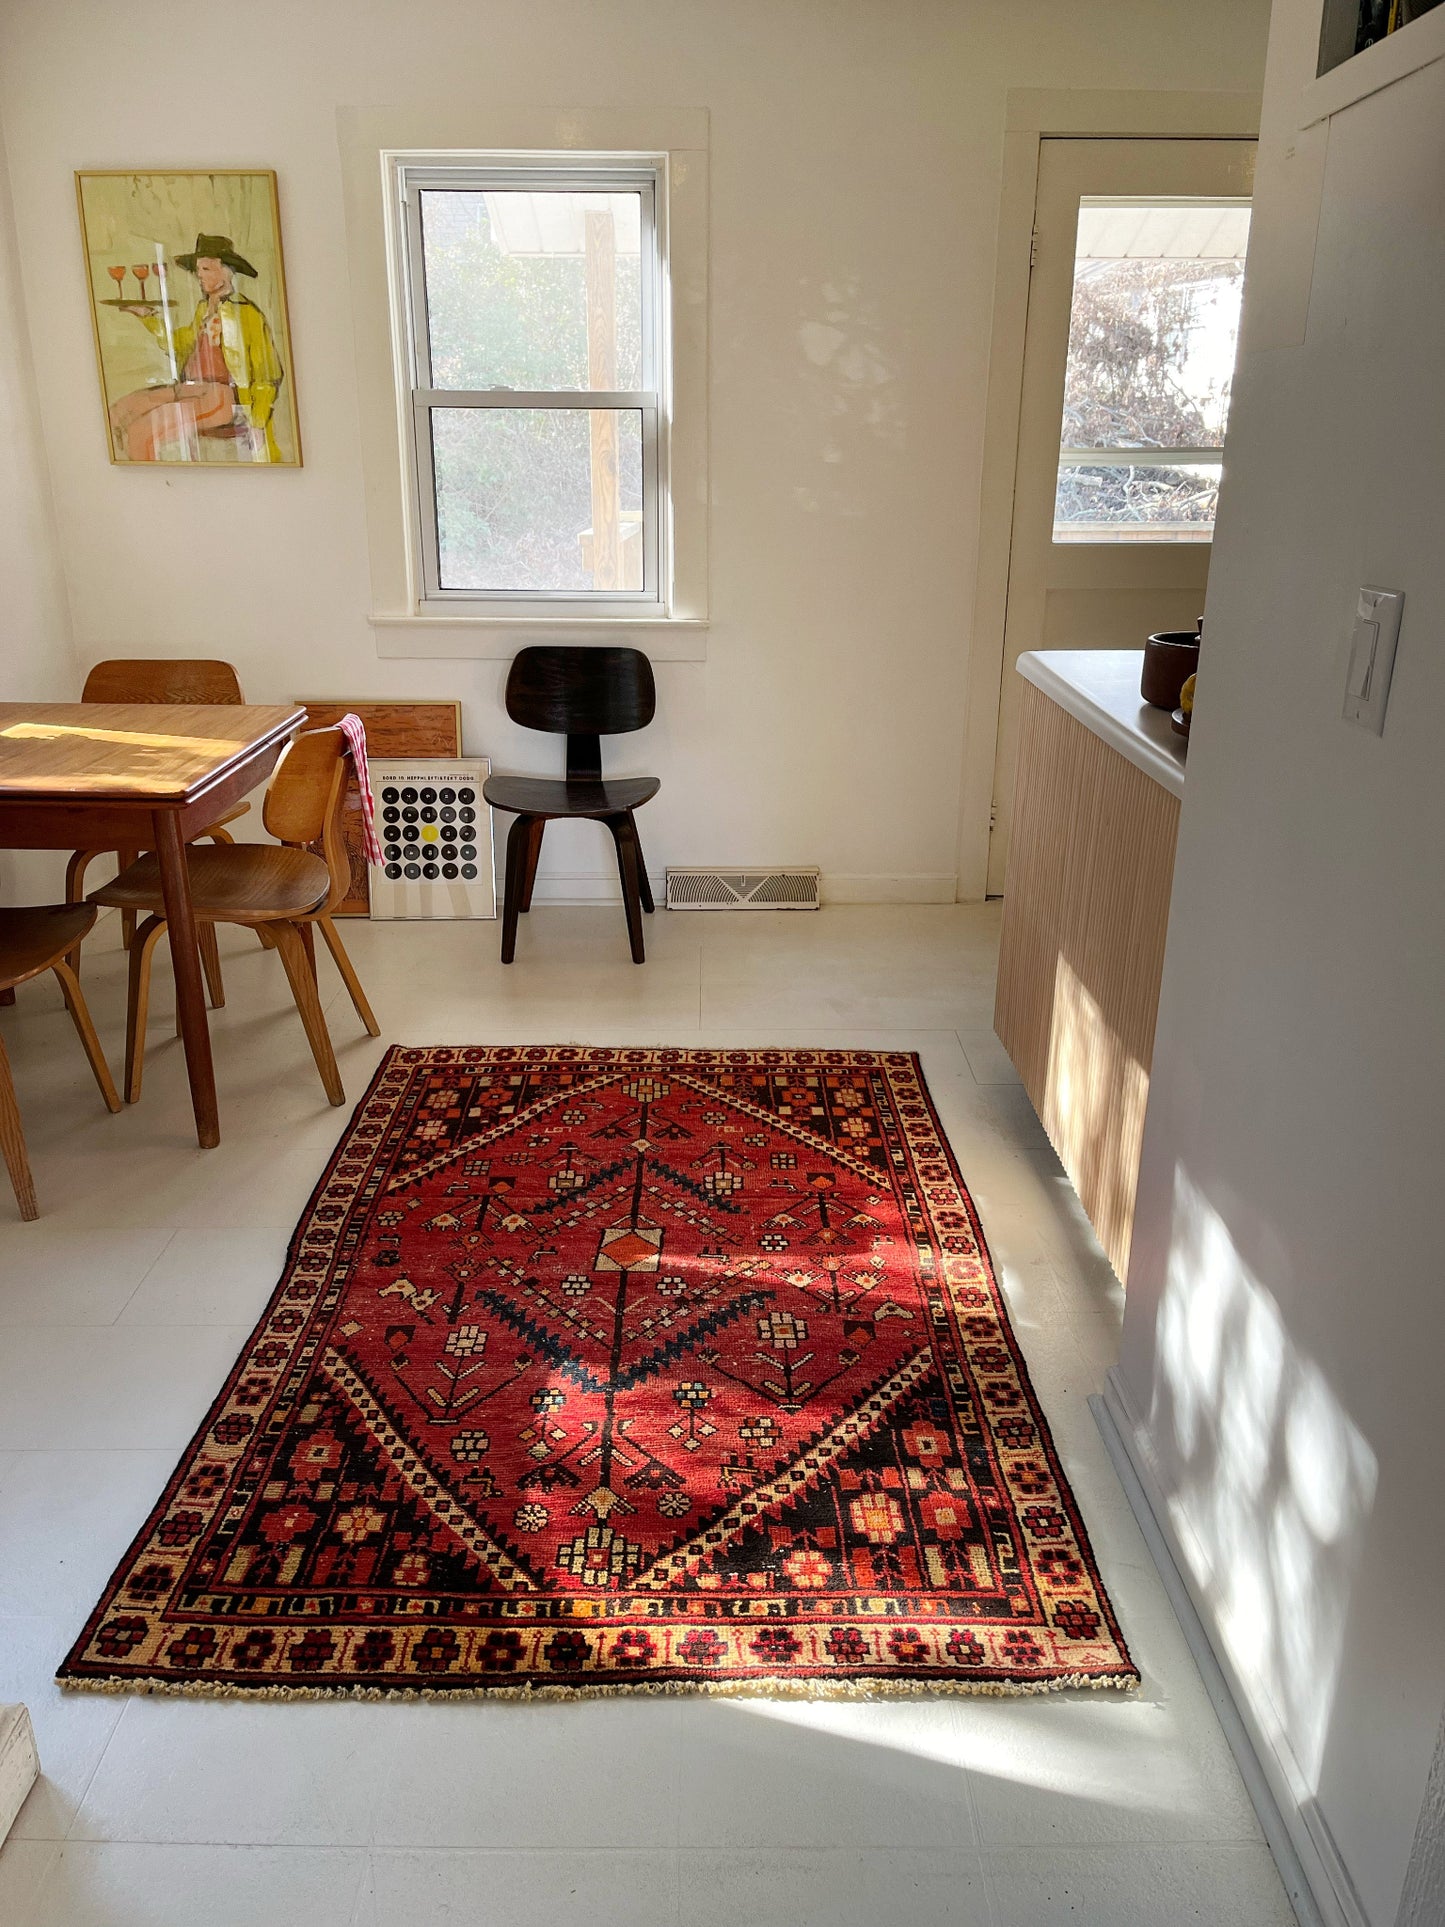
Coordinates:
<point>122,1308</point>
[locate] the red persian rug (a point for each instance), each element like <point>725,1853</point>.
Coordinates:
<point>622,1371</point>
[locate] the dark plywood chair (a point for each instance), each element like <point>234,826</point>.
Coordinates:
<point>31,941</point>
<point>280,890</point>
<point>582,694</point>
<point>160,679</point>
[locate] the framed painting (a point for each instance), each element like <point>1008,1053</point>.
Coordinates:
<point>188,307</point>
<point>397,726</point>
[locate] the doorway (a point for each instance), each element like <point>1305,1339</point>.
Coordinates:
<point>1133,316</point>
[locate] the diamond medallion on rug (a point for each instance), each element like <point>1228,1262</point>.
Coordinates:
<point>622,1370</point>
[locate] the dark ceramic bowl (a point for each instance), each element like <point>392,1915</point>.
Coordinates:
<point>1170,659</point>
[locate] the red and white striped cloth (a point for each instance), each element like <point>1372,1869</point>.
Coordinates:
<point>353,729</point>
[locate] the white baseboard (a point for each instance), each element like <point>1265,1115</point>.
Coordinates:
<point>19,1763</point>
<point>581,887</point>
<point>600,886</point>
<point>1315,1878</point>
<point>844,886</point>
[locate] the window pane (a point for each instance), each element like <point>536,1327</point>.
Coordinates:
<point>538,499</point>
<point>1153,330</point>
<point>1120,502</point>
<point>533,290</point>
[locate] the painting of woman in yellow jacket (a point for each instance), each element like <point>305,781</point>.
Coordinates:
<point>225,372</point>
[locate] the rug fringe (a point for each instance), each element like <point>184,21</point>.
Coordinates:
<point>787,1689</point>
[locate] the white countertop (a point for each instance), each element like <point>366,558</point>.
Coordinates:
<point>1101,688</point>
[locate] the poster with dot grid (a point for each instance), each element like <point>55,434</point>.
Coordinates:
<point>435,830</point>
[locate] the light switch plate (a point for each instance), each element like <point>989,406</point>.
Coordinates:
<point>1372,657</point>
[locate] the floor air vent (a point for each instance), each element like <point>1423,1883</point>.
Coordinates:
<point>742,890</point>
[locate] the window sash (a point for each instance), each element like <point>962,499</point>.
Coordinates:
<point>538,178</point>
<point>534,397</point>
<point>1106,534</point>
<point>649,595</point>
<point>1141,458</point>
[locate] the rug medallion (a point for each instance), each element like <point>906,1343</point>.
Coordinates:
<point>622,1370</point>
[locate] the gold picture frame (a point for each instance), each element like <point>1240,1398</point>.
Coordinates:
<point>195,365</point>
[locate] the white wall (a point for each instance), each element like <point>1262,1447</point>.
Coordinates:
<point>37,661</point>
<point>855,175</point>
<point>1285,1325</point>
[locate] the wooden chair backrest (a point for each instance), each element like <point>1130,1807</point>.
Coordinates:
<point>304,800</point>
<point>581,694</point>
<point>146,679</point>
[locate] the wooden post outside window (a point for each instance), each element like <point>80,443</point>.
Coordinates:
<point>601,253</point>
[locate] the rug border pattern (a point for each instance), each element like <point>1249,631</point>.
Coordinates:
<point>285,1346</point>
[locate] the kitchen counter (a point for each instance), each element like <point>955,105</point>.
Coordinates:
<point>1101,688</point>
<point>1097,794</point>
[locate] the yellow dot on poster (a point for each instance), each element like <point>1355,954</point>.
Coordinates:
<point>429,832</point>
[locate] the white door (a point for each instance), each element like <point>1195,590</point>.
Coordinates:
<point>1128,356</point>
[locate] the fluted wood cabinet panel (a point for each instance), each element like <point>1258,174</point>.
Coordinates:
<point>1086,905</point>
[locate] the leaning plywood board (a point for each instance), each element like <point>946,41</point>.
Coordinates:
<point>19,1763</point>
<point>402,726</point>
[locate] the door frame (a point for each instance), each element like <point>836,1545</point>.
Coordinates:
<point>1032,116</point>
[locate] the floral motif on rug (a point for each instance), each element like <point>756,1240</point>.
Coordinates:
<point>622,1370</point>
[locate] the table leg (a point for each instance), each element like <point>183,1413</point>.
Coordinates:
<point>186,963</point>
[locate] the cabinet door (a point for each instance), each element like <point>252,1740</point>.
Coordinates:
<point>1082,953</point>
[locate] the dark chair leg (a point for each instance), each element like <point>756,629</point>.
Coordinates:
<point>625,837</point>
<point>529,861</point>
<point>517,838</point>
<point>643,884</point>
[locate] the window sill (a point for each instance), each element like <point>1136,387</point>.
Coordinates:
<point>494,637</point>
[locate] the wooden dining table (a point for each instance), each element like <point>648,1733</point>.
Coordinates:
<point>141,776</point>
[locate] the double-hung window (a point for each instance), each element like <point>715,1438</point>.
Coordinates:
<point>538,415</point>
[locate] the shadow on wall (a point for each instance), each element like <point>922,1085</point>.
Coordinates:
<point>1276,1481</point>
<point>846,387</point>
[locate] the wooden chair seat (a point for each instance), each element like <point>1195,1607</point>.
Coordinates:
<point>34,939</point>
<point>230,883</point>
<point>162,679</point>
<point>570,796</point>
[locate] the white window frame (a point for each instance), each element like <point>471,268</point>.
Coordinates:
<point>1122,455</point>
<point>489,130</point>
<point>596,174</point>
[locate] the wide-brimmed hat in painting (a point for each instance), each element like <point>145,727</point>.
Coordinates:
<point>215,247</point>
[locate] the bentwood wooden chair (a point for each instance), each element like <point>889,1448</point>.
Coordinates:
<point>144,679</point>
<point>282,893</point>
<point>33,940</point>
<point>582,694</point>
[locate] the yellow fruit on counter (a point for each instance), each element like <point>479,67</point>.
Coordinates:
<point>1186,697</point>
